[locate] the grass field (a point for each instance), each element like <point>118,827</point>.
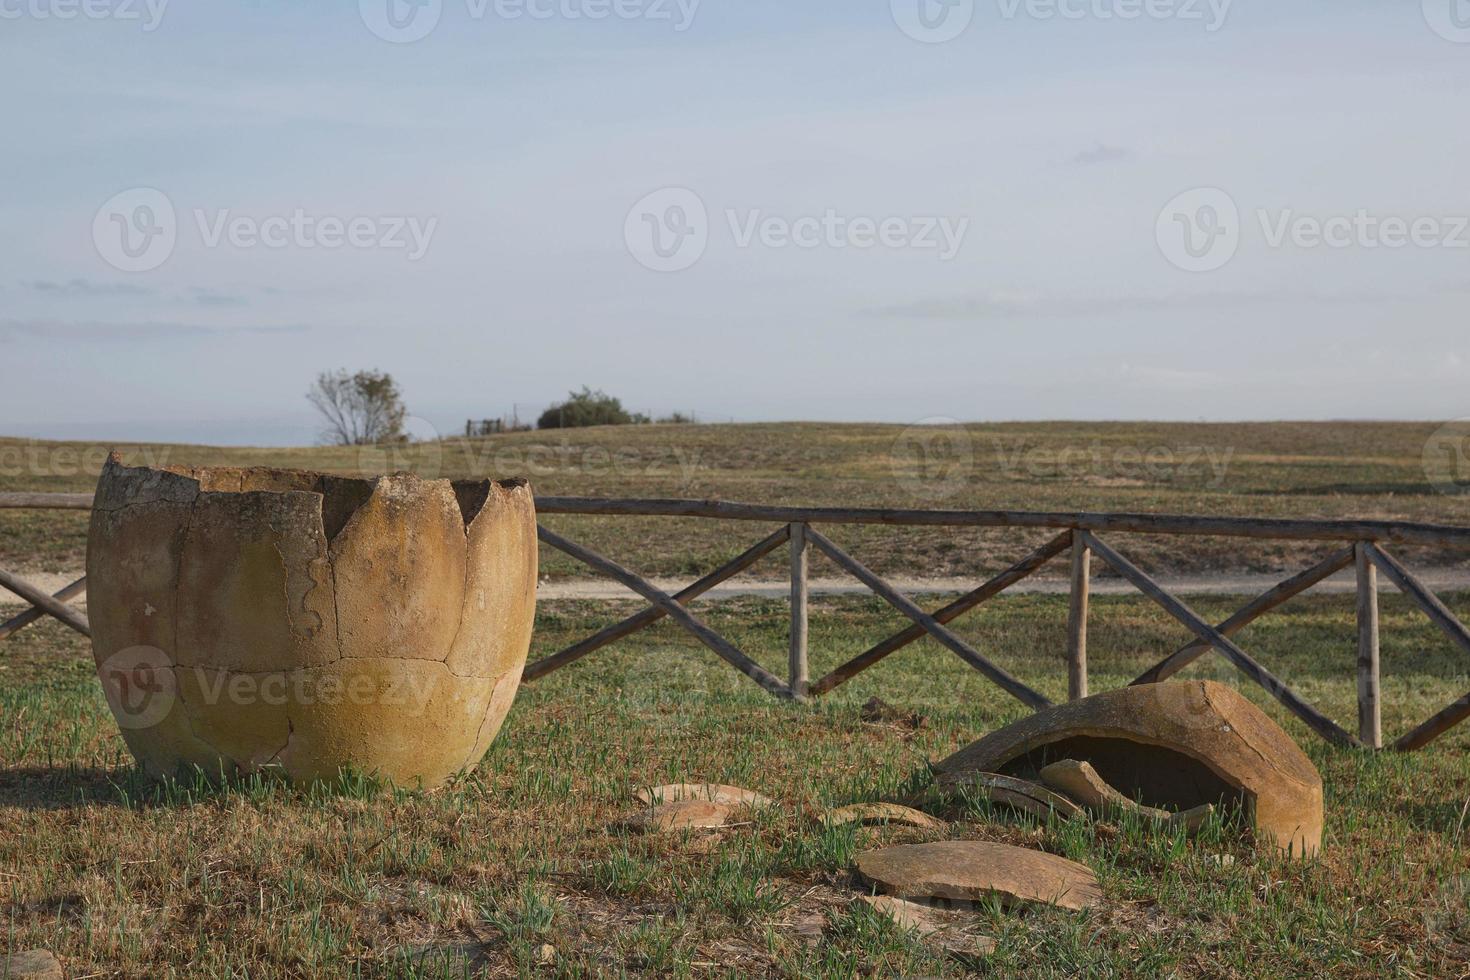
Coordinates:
<point>126,878</point>
<point>1261,470</point>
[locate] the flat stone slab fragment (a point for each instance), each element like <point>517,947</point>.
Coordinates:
<point>33,964</point>
<point>1176,745</point>
<point>975,870</point>
<point>1019,794</point>
<point>684,815</point>
<point>1080,781</point>
<point>881,813</point>
<point>707,792</point>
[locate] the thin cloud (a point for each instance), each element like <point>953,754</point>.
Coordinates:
<point>90,331</point>
<point>87,287</point>
<point>1009,303</point>
<point>214,299</point>
<point>1102,153</point>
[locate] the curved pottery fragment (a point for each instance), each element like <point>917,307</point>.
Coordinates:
<point>1178,745</point>
<point>248,619</point>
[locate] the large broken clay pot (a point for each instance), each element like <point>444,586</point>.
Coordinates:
<point>1178,745</point>
<point>270,619</point>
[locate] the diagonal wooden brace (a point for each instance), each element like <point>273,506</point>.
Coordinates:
<point>1016,573</point>
<point>1261,605</point>
<point>44,603</point>
<point>1016,688</point>
<point>1243,662</point>
<point>1407,583</point>
<point>653,614</point>
<point>723,647</point>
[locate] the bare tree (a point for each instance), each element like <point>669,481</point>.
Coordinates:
<point>361,409</point>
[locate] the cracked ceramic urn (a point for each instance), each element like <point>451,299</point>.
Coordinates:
<point>256,619</point>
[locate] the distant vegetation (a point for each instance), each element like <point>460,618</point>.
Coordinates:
<point>362,409</point>
<point>587,407</point>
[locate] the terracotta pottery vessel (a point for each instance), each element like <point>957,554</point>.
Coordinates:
<point>1177,745</point>
<point>256,619</point>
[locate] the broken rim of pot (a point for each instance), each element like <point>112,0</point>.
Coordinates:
<point>1176,745</point>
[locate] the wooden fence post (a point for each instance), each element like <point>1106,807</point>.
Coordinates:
<point>1370,710</point>
<point>799,679</point>
<point>1077,617</point>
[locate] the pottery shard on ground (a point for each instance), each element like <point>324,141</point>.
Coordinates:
<point>876,711</point>
<point>685,815</point>
<point>975,870</point>
<point>1081,782</point>
<point>705,792</point>
<point>1019,794</point>
<point>1176,745</point>
<point>880,813</point>
<point>33,964</point>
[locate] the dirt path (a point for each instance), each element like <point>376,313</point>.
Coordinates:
<point>1438,579</point>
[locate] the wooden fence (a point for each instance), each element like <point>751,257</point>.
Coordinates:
<point>1361,545</point>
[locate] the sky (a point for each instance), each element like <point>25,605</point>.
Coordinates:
<point>878,210</point>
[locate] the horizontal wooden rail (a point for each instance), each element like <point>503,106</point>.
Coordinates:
<point>1402,532</point>
<point>1398,532</point>
<point>45,501</point>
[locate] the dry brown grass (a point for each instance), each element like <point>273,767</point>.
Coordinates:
<point>1367,470</point>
